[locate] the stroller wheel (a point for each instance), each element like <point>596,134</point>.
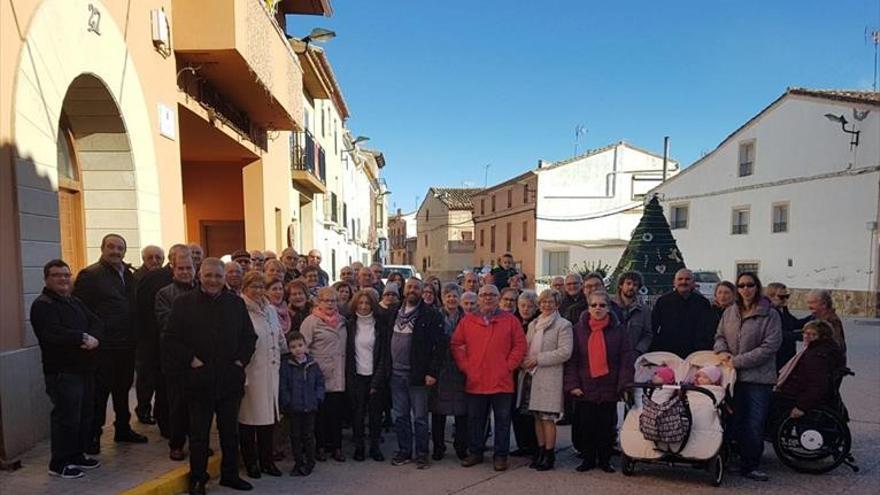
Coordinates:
<point>716,467</point>
<point>627,465</point>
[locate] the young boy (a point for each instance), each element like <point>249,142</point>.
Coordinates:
<point>302,390</point>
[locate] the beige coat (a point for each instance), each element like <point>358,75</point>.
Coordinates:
<point>327,347</point>
<point>259,406</point>
<point>556,345</point>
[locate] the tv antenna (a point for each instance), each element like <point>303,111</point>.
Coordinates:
<point>874,37</point>
<point>579,130</point>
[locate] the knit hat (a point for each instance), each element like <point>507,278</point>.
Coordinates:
<point>713,372</point>
<point>391,287</point>
<point>666,374</point>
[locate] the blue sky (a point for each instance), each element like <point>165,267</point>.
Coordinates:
<point>445,87</point>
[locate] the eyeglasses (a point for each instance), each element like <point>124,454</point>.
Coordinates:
<point>747,285</point>
<point>598,305</point>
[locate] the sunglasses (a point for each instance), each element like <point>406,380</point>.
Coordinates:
<point>784,296</point>
<point>598,305</point>
<point>745,286</point>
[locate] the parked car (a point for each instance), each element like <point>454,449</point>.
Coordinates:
<point>406,270</point>
<point>706,282</point>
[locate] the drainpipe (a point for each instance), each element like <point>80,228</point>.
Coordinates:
<point>665,156</point>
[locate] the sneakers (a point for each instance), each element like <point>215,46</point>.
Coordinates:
<point>400,459</point>
<point>67,473</point>
<point>85,463</point>
<point>756,475</point>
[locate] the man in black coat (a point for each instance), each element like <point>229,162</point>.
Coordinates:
<point>107,289</point>
<point>415,351</point>
<point>592,282</point>
<point>572,292</point>
<point>682,319</point>
<point>149,378</point>
<point>69,335</point>
<point>210,339</point>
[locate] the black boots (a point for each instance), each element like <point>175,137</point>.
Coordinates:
<point>547,461</point>
<point>537,458</point>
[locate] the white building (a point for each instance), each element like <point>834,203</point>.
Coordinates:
<point>787,195</point>
<point>588,206</point>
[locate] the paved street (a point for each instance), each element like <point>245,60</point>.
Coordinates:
<point>127,466</point>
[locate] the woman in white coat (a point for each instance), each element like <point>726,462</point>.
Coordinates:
<point>259,406</point>
<point>540,385</point>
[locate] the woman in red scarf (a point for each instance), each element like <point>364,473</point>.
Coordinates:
<point>601,365</point>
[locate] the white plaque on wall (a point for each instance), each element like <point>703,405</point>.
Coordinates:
<point>167,122</point>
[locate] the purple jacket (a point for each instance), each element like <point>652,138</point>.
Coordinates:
<point>621,358</point>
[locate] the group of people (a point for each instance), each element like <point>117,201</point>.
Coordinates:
<point>276,353</point>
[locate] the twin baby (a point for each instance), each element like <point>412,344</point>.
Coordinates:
<point>706,376</point>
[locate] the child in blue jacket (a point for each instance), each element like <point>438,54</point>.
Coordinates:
<point>302,391</point>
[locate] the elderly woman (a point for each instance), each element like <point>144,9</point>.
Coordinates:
<point>521,419</point>
<point>274,268</point>
<point>540,382</point>
<point>311,276</point>
<point>527,307</point>
<point>326,339</point>
<point>366,335</point>
<point>343,293</point>
<point>469,302</point>
<point>431,296</point>
<point>748,337</point>
<point>275,295</point>
<point>600,366</point>
<point>437,287</point>
<point>447,396</point>
<point>724,296</point>
<point>807,380</point>
<point>508,300</point>
<point>298,304</point>
<point>259,406</point>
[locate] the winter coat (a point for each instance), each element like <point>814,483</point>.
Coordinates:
<point>327,346</point>
<point>148,287</point>
<point>682,325</point>
<point>259,406</point>
<point>637,319</point>
<point>100,287</point>
<point>448,397</point>
<point>426,349</point>
<point>301,386</point>
<point>621,359</point>
<point>556,347</point>
<point>164,302</point>
<point>59,324</point>
<point>217,330</point>
<point>753,342</point>
<point>501,277</point>
<point>569,301</point>
<point>381,335</point>
<point>811,382</point>
<point>790,335</point>
<point>488,351</point>
<point>298,317</point>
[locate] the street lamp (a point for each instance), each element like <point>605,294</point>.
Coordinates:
<point>355,141</point>
<point>318,35</point>
<point>854,141</point>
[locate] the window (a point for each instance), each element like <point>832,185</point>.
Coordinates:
<point>746,158</point>
<point>483,206</point>
<point>426,240</point>
<point>482,237</point>
<point>332,261</point>
<point>427,215</point>
<point>345,214</point>
<point>678,217</point>
<point>509,198</point>
<point>509,236</point>
<point>492,239</point>
<point>780,218</point>
<point>555,262</point>
<point>334,215</point>
<point>493,202</point>
<point>525,232</point>
<point>424,265</point>
<point>307,119</point>
<point>740,224</point>
<point>467,235</point>
<point>525,193</point>
<point>746,266</point>
<point>323,122</point>
<point>335,139</point>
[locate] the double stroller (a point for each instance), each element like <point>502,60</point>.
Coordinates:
<point>683,423</point>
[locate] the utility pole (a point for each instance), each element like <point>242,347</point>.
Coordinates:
<point>665,157</point>
<point>486,175</point>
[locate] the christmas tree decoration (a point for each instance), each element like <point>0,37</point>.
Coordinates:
<point>651,251</point>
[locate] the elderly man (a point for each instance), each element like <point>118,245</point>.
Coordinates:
<point>69,335</point>
<point>269,255</point>
<point>107,289</point>
<point>571,294</point>
<point>176,415</point>
<point>365,280</point>
<point>243,258</point>
<point>210,340</point>
<point>149,374</point>
<point>412,363</point>
<point>346,274</point>
<point>378,270</point>
<point>152,257</point>
<point>470,283</point>
<point>558,284</point>
<point>356,266</point>
<point>636,316</point>
<point>591,283</point>
<point>821,306</point>
<point>469,302</point>
<point>289,258</point>
<point>258,259</point>
<point>488,346</point>
<point>681,320</point>
<point>198,254</point>
<point>234,275</point>
<point>314,259</point>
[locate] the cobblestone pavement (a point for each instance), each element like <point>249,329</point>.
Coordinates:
<point>127,465</point>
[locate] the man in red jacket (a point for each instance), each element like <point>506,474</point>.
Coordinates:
<point>488,346</point>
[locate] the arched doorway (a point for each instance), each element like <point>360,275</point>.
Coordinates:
<point>70,201</point>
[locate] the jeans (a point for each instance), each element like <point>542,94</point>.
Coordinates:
<point>72,397</point>
<point>410,407</point>
<point>302,437</point>
<point>478,413</point>
<point>201,411</point>
<point>114,377</point>
<point>365,404</point>
<point>751,407</point>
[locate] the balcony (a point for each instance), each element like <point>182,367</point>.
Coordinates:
<point>239,49</point>
<point>460,247</point>
<point>307,164</point>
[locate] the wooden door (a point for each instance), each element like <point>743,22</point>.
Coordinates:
<point>221,237</point>
<point>70,219</point>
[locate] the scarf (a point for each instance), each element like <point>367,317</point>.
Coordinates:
<point>542,323</point>
<point>786,370</point>
<point>597,354</point>
<point>330,318</point>
<point>283,316</point>
<point>406,320</point>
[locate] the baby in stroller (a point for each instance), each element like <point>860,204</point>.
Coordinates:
<point>678,421</point>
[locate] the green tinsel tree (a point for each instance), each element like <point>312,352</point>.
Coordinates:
<point>652,251</point>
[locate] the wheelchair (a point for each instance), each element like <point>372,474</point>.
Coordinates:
<point>820,440</point>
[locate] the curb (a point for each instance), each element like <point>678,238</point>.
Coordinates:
<point>173,482</point>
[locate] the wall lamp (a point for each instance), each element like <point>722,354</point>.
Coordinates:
<point>317,35</point>
<point>854,140</point>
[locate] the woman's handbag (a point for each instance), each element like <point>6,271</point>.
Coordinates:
<point>668,422</point>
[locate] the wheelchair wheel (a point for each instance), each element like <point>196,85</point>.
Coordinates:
<point>627,465</point>
<point>815,443</point>
<point>716,467</point>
